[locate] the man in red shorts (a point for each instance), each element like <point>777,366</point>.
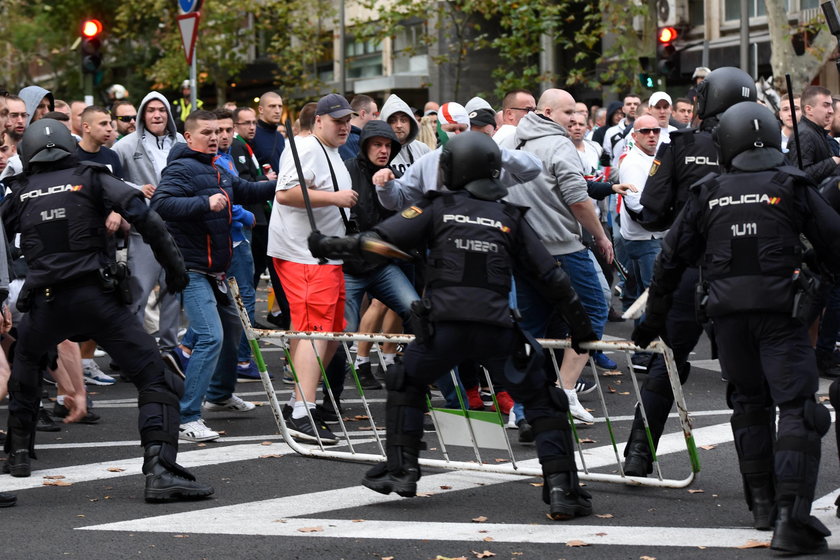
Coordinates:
<point>315,291</point>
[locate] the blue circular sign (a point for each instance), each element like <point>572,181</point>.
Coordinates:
<point>189,6</point>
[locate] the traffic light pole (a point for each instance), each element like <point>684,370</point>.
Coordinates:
<point>193,92</point>
<point>88,88</point>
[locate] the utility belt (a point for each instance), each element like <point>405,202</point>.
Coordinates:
<point>111,279</point>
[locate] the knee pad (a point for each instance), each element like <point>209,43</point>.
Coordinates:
<point>755,417</point>
<point>395,377</point>
<point>816,416</point>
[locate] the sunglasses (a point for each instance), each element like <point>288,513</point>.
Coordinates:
<point>526,109</point>
<point>646,131</point>
<point>127,118</point>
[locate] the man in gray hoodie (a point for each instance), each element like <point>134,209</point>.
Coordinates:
<point>398,114</point>
<point>38,102</point>
<point>559,204</point>
<point>143,155</point>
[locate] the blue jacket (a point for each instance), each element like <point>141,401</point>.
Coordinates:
<point>268,144</point>
<point>182,199</point>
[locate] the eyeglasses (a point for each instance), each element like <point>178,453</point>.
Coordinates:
<point>526,109</point>
<point>18,115</point>
<point>247,123</point>
<point>127,118</point>
<point>646,131</point>
<point>375,114</point>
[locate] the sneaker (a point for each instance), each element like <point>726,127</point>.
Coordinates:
<point>641,361</point>
<point>511,422</point>
<point>366,378</point>
<point>196,431</point>
<point>474,400</point>
<point>302,429</point>
<point>99,353</point>
<point>46,422</point>
<point>233,404</point>
<point>172,359</point>
<point>576,409</point>
<point>248,372</point>
<point>614,316</point>
<point>61,411</point>
<point>326,411</point>
<point>603,361</point>
<point>95,376</point>
<point>505,402</point>
<point>584,386</point>
<point>526,432</point>
<point>287,375</point>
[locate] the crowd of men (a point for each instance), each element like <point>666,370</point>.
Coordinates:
<point>235,203</point>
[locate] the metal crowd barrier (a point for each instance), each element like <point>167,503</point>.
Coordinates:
<point>464,439</point>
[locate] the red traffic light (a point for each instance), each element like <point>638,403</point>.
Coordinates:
<point>91,28</point>
<point>667,35</point>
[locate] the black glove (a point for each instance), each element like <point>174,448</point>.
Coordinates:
<point>648,330</point>
<point>580,335</point>
<point>176,279</point>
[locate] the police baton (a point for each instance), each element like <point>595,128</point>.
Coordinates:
<point>793,119</point>
<point>290,135</point>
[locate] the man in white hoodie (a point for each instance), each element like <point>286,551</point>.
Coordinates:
<point>397,113</point>
<point>143,154</point>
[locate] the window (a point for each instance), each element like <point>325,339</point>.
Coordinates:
<point>696,13</point>
<point>325,65</point>
<point>410,50</point>
<point>363,58</point>
<point>732,9</point>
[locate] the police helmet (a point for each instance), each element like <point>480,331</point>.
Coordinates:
<point>45,140</point>
<point>472,161</point>
<point>749,138</point>
<point>723,88</point>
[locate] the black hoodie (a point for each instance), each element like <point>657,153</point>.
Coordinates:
<point>368,211</point>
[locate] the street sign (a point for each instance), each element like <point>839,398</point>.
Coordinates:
<point>188,25</point>
<point>189,6</point>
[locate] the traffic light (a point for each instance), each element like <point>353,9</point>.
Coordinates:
<point>91,45</point>
<point>668,62</point>
<point>646,77</point>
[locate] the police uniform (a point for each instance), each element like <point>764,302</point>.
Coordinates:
<point>72,291</point>
<point>474,243</point>
<point>743,227</point>
<point>688,157</point>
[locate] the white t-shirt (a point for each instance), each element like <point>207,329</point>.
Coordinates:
<point>289,227</point>
<point>635,169</point>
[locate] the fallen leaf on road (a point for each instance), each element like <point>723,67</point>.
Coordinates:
<point>54,476</point>
<point>537,484</point>
<point>755,544</point>
<point>357,521</point>
<point>439,557</point>
<point>624,393</point>
<point>479,519</point>
<point>57,483</point>
<point>425,494</point>
<point>280,521</point>
<point>577,543</point>
<point>310,529</point>
<point>361,417</point>
<point>80,515</point>
<point>180,536</point>
<point>647,557</point>
<point>488,539</point>
<point>271,456</point>
<point>446,488</point>
<point>696,491</point>
<point>600,534</point>
<point>587,440</point>
<point>708,447</point>
<point>501,460</point>
<point>612,373</point>
<point>485,554</point>
<point>610,389</point>
<point>266,443</point>
<point>604,515</point>
<point>115,469</point>
<point>386,558</point>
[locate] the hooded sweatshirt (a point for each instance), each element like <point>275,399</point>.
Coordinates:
<point>142,154</point>
<point>32,96</point>
<point>412,149</point>
<point>559,184</point>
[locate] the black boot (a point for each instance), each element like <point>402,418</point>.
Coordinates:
<point>18,461</point>
<point>761,499</point>
<point>795,537</point>
<point>639,461</point>
<point>7,500</point>
<point>564,496</point>
<point>166,483</point>
<point>366,378</point>
<point>402,480</point>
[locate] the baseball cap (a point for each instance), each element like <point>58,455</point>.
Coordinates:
<point>334,105</point>
<point>185,84</point>
<point>657,97</point>
<point>482,117</point>
<point>450,113</point>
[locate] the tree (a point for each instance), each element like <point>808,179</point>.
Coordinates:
<point>813,36</point>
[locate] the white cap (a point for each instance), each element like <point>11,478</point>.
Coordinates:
<point>477,103</point>
<point>453,113</point>
<point>657,97</point>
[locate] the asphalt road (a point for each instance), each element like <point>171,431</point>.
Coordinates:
<point>272,503</point>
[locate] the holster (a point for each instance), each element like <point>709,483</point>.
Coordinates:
<point>807,300</point>
<point>24,300</point>
<point>114,278</point>
<point>419,321</point>
<point>701,300</point>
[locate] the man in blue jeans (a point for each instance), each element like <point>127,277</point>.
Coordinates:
<point>194,198</point>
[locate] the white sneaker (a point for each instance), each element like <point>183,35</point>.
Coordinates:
<point>99,353</point>
<point>577,410</point>
<point>511,423</point>
<point>196,431</point>
<point>233,404</point>
<point>95,376</point>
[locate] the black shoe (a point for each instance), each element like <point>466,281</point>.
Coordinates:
<point>61,411</point>
<point>526,431</point>
<point>46,422</point>
<point>366,378</point>
<point>278,321</point>
<point>638,460</point>
<point>565,497</point>
<point>7,500</point>
<point>762,498</point>
<point>302,429</point>
<point>326,410</point>
<point>614,316</point>
<point>165,485</point>
<point>380,479</point>
<point>795,537</point>
<point>18,461</point>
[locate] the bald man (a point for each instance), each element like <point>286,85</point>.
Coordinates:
<point>559,205</point>
<point>268,142</point>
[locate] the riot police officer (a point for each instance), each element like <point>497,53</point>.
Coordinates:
<point>743,226</point>
<point>474,242</point>
<point>74,289</point>
<point>690,156</point>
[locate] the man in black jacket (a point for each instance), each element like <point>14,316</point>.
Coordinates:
<point>813,142</point>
